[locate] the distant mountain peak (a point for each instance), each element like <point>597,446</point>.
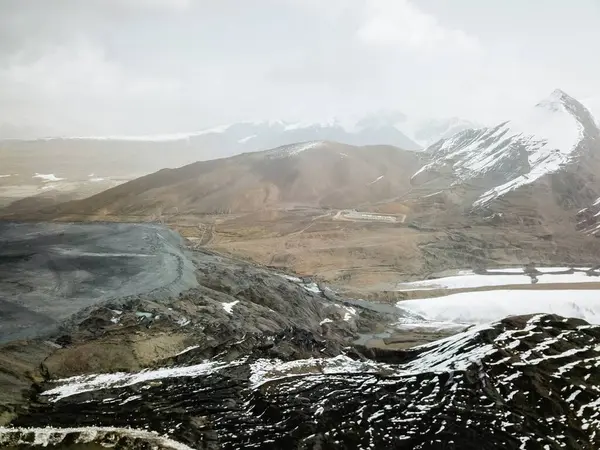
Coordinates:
<point>556,100</point>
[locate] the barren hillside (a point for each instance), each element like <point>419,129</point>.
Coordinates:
<point>311,174</point>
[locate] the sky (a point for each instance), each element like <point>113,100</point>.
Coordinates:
<point>94,67</point>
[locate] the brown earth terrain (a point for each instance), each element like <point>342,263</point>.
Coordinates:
<point>369,258</point>
<point>349,215</point>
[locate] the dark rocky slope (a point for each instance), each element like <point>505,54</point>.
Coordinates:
<point>233,306</point>
<point>522,383</point>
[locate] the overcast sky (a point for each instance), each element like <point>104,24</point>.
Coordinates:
<point>153,66</point>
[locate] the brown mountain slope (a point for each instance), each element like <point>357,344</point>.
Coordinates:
<point>313,174</point>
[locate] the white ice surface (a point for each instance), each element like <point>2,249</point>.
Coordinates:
<point>476,280</point>
<point>487,306</point>
<point>509,269</point>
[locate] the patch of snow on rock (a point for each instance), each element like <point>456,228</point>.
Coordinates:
<point>188,349</point>
<point>228,307</point>
<point>312,287</point>
<point>264,370</point>
<point>86,383</point>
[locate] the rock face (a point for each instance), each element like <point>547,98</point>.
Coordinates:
<point>522,383</point>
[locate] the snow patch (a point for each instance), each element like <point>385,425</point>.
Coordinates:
<point>228,307</point>
<point>47,177</point>
<point>377,179</point>
<point>264,370</point>
<point>351,312</point>
<point>294,149</point>
<point>188,349</point>
<point>312,287</point>
<point>86,383</point>
<point>246,139</point>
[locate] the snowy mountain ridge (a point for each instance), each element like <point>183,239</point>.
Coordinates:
<point>251,136</point>
<point>516,152</point>
<point>409,133</point>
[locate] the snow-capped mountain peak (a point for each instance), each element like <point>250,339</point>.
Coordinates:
<point>555,100</point>
<point>516,152</point>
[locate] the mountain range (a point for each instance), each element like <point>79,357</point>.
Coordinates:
<point>389,128</point>
<point>110,160</point>
<point>545,160</point>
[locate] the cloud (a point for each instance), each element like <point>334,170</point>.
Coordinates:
<point>158,66</point>
<point>401,23</point>
<point>60,85</point>
<point>170,4</point>
<point>81,68</point>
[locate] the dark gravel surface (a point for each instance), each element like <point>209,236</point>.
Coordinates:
<point>50,271</point>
